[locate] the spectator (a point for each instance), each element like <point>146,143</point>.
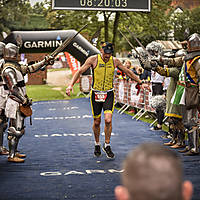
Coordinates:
<point>120,74</point>
<point>138,70</point>
<point>128,64</point>
<point>153,172</point>
<point>129,54</point>
<point>166,84</point>
<point>146,75</point>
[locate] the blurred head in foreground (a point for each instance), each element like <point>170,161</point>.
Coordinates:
<point>153,172</point>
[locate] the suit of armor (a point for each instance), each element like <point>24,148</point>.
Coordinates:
<point>189,75</point>
<point>3,118</point>
<point>174,112</point>
<point>3,98</point>
<point>13,77</point>
<point>154,48</point>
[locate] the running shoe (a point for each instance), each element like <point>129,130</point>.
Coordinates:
<point>97,150</point>
<point>108,151</point>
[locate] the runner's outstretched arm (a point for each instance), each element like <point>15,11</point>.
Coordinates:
<point>88,63</point>
<point>131,74</point>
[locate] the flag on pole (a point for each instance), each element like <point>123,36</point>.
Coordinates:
<point>179,94</point>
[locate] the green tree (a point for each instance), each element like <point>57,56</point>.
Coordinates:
<point>180,22</point>
<point>188,19</point>
<point>37,17</point>
<point>194,23</point>
<point>14,14</point>
<point>148,26</point>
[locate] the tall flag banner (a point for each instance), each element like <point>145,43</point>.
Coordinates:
<point>73,63</point>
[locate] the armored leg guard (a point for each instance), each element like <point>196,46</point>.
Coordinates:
<point>15,132</point>
<point>181,137</point>
<point>13,140</point>
<point>173,133</point>
<point>180,140</point>
<point>1,134</point>
<point>190,141</point>
<point>195,136</point>
<point>173,140</point>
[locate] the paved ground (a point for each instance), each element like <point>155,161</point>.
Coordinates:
<point>59,78</point>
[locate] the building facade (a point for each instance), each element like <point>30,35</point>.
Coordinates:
<point>186,4</point>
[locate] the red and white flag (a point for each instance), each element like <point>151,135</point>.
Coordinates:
<point>73,63</point>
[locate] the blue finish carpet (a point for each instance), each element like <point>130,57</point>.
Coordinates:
<point>60,163</point>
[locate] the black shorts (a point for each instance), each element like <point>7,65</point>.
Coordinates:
<point>107,105</point>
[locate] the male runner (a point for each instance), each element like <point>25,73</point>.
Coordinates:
<point>102,94</point>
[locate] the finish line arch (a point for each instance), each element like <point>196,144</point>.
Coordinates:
<point>48,41</point>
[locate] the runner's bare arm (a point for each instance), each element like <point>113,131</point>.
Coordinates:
<point>129,73</point>
<point>90,62</point>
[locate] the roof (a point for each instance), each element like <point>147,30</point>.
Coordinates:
<point>186,4</point>
<point>171,45</point>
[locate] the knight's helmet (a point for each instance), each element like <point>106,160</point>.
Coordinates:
<point>2,47</point>
<point>11,51</point>
<point>154,48</point>
<point>193,42</point>
<point>142,52</point>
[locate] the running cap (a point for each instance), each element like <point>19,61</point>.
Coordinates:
<point>107,47</point>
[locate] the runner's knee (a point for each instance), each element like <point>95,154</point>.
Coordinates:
<point>97,122</point>
<point>108,121</point>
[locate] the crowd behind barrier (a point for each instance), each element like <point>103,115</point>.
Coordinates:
<point>128,94</point>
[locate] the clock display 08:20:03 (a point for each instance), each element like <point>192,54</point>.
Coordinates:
<point>104,3</point>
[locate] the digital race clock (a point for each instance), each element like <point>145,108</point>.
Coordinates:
<point>106,5</point>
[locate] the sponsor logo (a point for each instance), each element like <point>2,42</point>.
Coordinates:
<point>101,65</point>
<point>81,49</point>
<point>69,135</point>
<point>86,172</point>
<point>63,118</point>
<point>42,44</point>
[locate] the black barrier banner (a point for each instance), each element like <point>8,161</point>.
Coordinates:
<point>48,41</point>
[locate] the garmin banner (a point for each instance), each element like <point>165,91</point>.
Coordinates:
<point>48,41</point>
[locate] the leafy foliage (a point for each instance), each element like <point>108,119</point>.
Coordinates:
<point>14,13</point>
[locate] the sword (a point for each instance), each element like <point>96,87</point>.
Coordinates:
<point>140,57</point>
<point>65,43</point>
<point>132,34</point>
<point>62,46</point>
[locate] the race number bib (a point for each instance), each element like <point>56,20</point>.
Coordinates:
<point>100,96</point>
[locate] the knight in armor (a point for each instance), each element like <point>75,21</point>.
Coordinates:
<point>154,48</point>
<point>3,98</point>
<point>13,77</point>
<point>188,77</point>
<point>173,112</point>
